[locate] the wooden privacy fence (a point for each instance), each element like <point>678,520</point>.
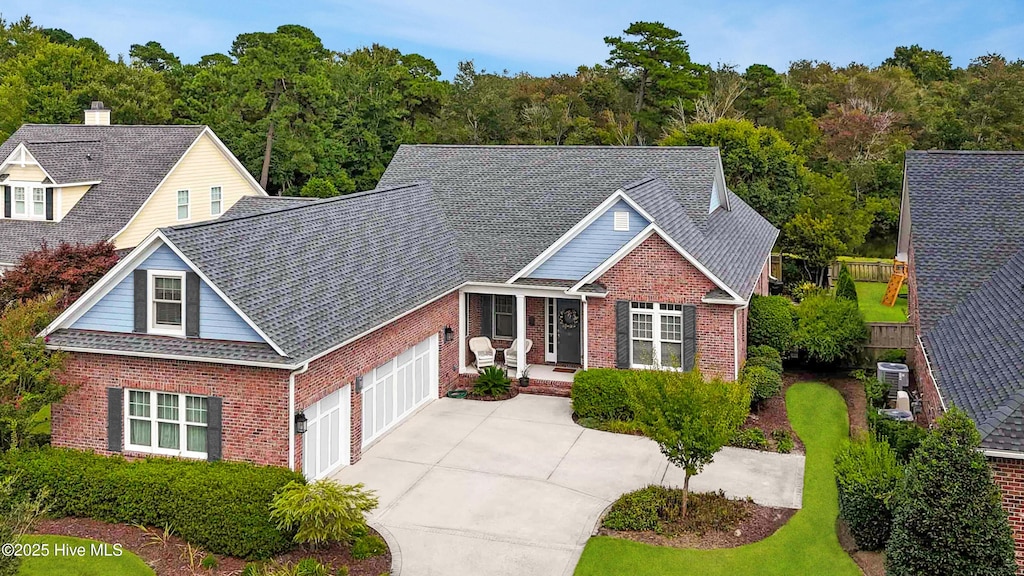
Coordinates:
<point>862,271</point>
<point>890,335</point>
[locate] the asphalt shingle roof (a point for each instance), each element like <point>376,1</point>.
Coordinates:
<point>967,220</point>
<point>317,274</point>
<point>507,204</point>
<point>252,205</point>
<point>128,160</point>
<point>149,344</point>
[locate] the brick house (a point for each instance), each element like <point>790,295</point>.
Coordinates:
<point>343,317</point>
<point>962,236</point>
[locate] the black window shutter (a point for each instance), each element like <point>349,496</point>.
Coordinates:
<point>192,304</point>
<point>689,337</point>
<point>115,397</point>
<point>7,201</point>
<point>213,429</point>
<point>515,316</point>
<point>49,203</point>
<point>486,315</point>
<point>622,334</point>
<point>141,301</point>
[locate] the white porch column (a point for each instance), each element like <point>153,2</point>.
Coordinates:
<point>463,328</point>
<point>520,334</point>
<point>583,327</point>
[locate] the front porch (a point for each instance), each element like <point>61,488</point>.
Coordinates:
<point>552,323</point>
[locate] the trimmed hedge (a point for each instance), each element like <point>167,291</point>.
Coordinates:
<point>772,322</point>
<point>601,393</point>
<point>829,330</point>
<point>764,383</point>
<point>867,476</point>
<point>764,356</point>
<point>223,507</point>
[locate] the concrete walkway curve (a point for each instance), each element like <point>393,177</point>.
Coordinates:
<point>516,487</point>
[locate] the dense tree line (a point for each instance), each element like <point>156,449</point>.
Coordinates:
<point>817,148</point>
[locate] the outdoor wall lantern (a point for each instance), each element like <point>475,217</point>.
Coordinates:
<point>449,334</point>
<point>300,423</point>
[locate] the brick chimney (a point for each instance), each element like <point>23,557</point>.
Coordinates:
<point>97,114</point>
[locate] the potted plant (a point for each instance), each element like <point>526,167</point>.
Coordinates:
<point>524,380</point>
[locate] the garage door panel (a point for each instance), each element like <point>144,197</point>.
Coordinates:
<point>398,388</point>
<point>327,441</point>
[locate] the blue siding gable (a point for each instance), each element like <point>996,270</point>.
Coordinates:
<point>592,246</point>
<point>115,311</point>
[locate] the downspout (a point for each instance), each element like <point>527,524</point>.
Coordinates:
<point>928,366</point>
<point>585,328</point>
<point>291,414</point>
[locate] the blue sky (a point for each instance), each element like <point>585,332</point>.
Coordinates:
<point>547,36</point>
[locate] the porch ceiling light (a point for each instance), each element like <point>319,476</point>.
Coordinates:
<point>300,423</point>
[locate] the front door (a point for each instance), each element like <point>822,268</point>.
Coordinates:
<point>568,326</point>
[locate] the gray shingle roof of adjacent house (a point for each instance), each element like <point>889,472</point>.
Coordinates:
<point>314,275</point>
<point>507,204</point>
<point>967,220</point>
<point>967,235</point>
<point>130,161</point>
<point>251,205</point>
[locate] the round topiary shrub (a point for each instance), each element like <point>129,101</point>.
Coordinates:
<point>771,322</point>
<point>764,356</point>
<point>600,393</point>
<point>764,383</point>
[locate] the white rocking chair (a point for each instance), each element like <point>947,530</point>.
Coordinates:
<point>484,352</point>
<point>511,360</point>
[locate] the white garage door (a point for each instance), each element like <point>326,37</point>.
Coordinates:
<point>326,445</point>
<point>395,389</point>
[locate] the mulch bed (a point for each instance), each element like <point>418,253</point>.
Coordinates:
<point>762,522</point>
<point>513,391</point>
<point>171,558</point>
<point>871,563</point>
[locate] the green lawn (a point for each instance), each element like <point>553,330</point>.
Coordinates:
<point>43,425</point>
<point>869,299</point>
<point>127,564</point>
<point>807,544</point>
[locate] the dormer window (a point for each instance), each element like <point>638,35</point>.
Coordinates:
<point>38,203</point>
<point>621,223</point>
<point>25,200</point>
<point>167,303</point>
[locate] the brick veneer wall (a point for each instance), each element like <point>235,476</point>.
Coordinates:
<point>655,272</point>
<point>254,406</point>
<point>335,370</point>
<point>1009,476</point>
<point>930,401</point>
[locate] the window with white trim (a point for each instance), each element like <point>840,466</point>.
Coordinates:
<point>656,332</point>
<point>28,200</point>
<point>550,319</point>
<point>504,316</point>
<point>183,208</point>
<point>166,423</point>
<point>621,221</point>
<point>167,302</point>
<point>216,200</point>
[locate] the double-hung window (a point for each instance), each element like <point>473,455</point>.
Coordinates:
<point>183,209</point>
<point>656,332</point>
<point>216,200</point>
<point>166,423</point>
<point>20,204</point>
<point>167,302</point>
<point>28,201</point>
<point>38,202</point>
<point>504,316</point>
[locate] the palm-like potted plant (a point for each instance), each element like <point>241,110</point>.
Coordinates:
<point>524,380</point>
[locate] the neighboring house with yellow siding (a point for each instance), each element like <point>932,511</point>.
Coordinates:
<point>83,183</point>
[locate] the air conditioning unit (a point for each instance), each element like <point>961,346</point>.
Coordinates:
<point>896,375</point>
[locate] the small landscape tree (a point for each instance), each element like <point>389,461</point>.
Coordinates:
<point>690,418</point>
<point>69,268</point>
<point>846,288</point>
<point>28,373</point>
<point>948,517</point>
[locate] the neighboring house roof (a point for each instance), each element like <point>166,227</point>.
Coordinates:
<point>317,274</point>
<point>967,235</point>
<point>507,204</point>
<point>977,356</point>
<point>251,205</point>
<point>129,162</point>
<point>966,221</point>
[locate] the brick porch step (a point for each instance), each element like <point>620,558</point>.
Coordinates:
<point>547,388</point>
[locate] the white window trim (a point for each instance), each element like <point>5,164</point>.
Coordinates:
<point>154,429</point>
<point>550,330</point>
<point>656,314</point>
<point>220,202</point>
<point>29,202</point>
<point>178,205</point>
<point>151,324</point>
<point>494,317</point>
<point>620,221</point>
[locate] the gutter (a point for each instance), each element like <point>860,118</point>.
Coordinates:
<point>928,366</point>
<point>1002,454</point>
<point>291,415</point>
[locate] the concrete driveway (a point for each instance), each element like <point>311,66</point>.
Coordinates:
<point>516,487</point>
